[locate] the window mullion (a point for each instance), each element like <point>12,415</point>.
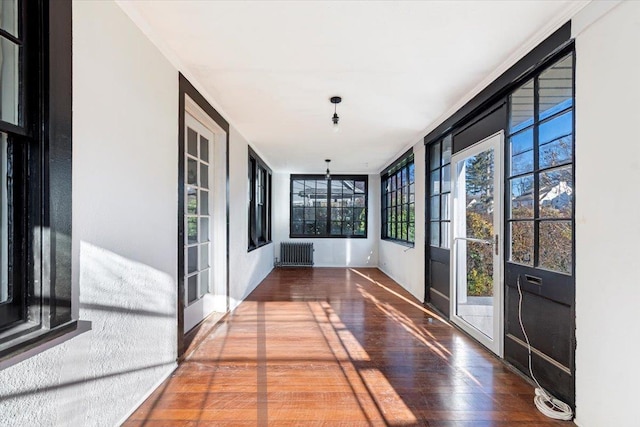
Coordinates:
<point>536,172</point>
<point>328,221</point>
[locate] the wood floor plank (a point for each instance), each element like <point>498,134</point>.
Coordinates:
<point>338,347</point>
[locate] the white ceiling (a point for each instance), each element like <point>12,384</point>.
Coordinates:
<point>399,66</point>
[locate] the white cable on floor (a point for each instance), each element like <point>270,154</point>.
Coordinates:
<point>544,401</point>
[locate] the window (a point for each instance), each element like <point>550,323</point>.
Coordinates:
<point>328,208</point>
<point>398,200</point>
<point>259,202</point>
<point>440,191</point>
<point>540,214</point>
<point>35,158</point>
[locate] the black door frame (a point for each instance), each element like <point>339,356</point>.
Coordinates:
<point>185,88</point>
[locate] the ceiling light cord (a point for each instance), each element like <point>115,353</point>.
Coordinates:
<point>544,401</point>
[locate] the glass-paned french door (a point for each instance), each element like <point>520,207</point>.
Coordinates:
<point>198,161</point>
<point>476,258</point>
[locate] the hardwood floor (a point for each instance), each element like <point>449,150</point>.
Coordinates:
<point>338,347</point>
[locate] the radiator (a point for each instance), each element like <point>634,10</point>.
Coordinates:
<point>295,255</point>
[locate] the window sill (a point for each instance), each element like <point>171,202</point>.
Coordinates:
<point>253,248</point>
<point>399,242</point>
<point>32,343</point>
<point>318,236</point>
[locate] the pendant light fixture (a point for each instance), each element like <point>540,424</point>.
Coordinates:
<point>328,175</point>
<point>335,100</point>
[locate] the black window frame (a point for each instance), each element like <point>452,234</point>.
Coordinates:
<point>537,170</point>
<point>444,197</point>
<point>390,223</point>
<point>259,200</point>
<point>327,230</point>
<point>40,190</point>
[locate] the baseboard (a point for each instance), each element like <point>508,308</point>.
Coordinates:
<point>344,266</point>
<point>146,395</point>
<point>392,277</point>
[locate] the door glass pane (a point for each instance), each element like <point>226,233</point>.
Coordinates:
<point>9,81</point>
<point>204,202</point>
<point>522,242</point>
<point>446,150</point>
<point>4,211</point>
<point>521,111</point>
<point>204,149</point>
<point>192,172</point>
<point>192,288</point>
<point>192,259</point>
<point>435,182</point>
<point>204,256</point>
<point>192,142</point>
<point>435,234</point>
<point>434,156</point>
<point>192,229</point>
<point>556,87</point>
<point>478,182</point>
<point>475,285</point>
<point>444,235</point>
<point>204,282</point>
<point>444,207</point>
<point>204,175</point>
<point>9,16</point>
<point>555,247</point>
<point>446,179</point>
<point>192,200</point>
<point>204,230</point>
<point>556,193</point>
<point>435,207</point>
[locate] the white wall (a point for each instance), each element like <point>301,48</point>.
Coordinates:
<point>330,252</point>
<point>125,195</point>
<point>403,264</point>
<point>124,233</point>
<point>247,269</point>
<point>607,217</point>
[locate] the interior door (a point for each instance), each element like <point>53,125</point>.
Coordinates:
<point>198,158</point>
<point>476,262</point>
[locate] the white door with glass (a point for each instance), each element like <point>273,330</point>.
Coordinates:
<point>476,252</point>
<point>198,162</point>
